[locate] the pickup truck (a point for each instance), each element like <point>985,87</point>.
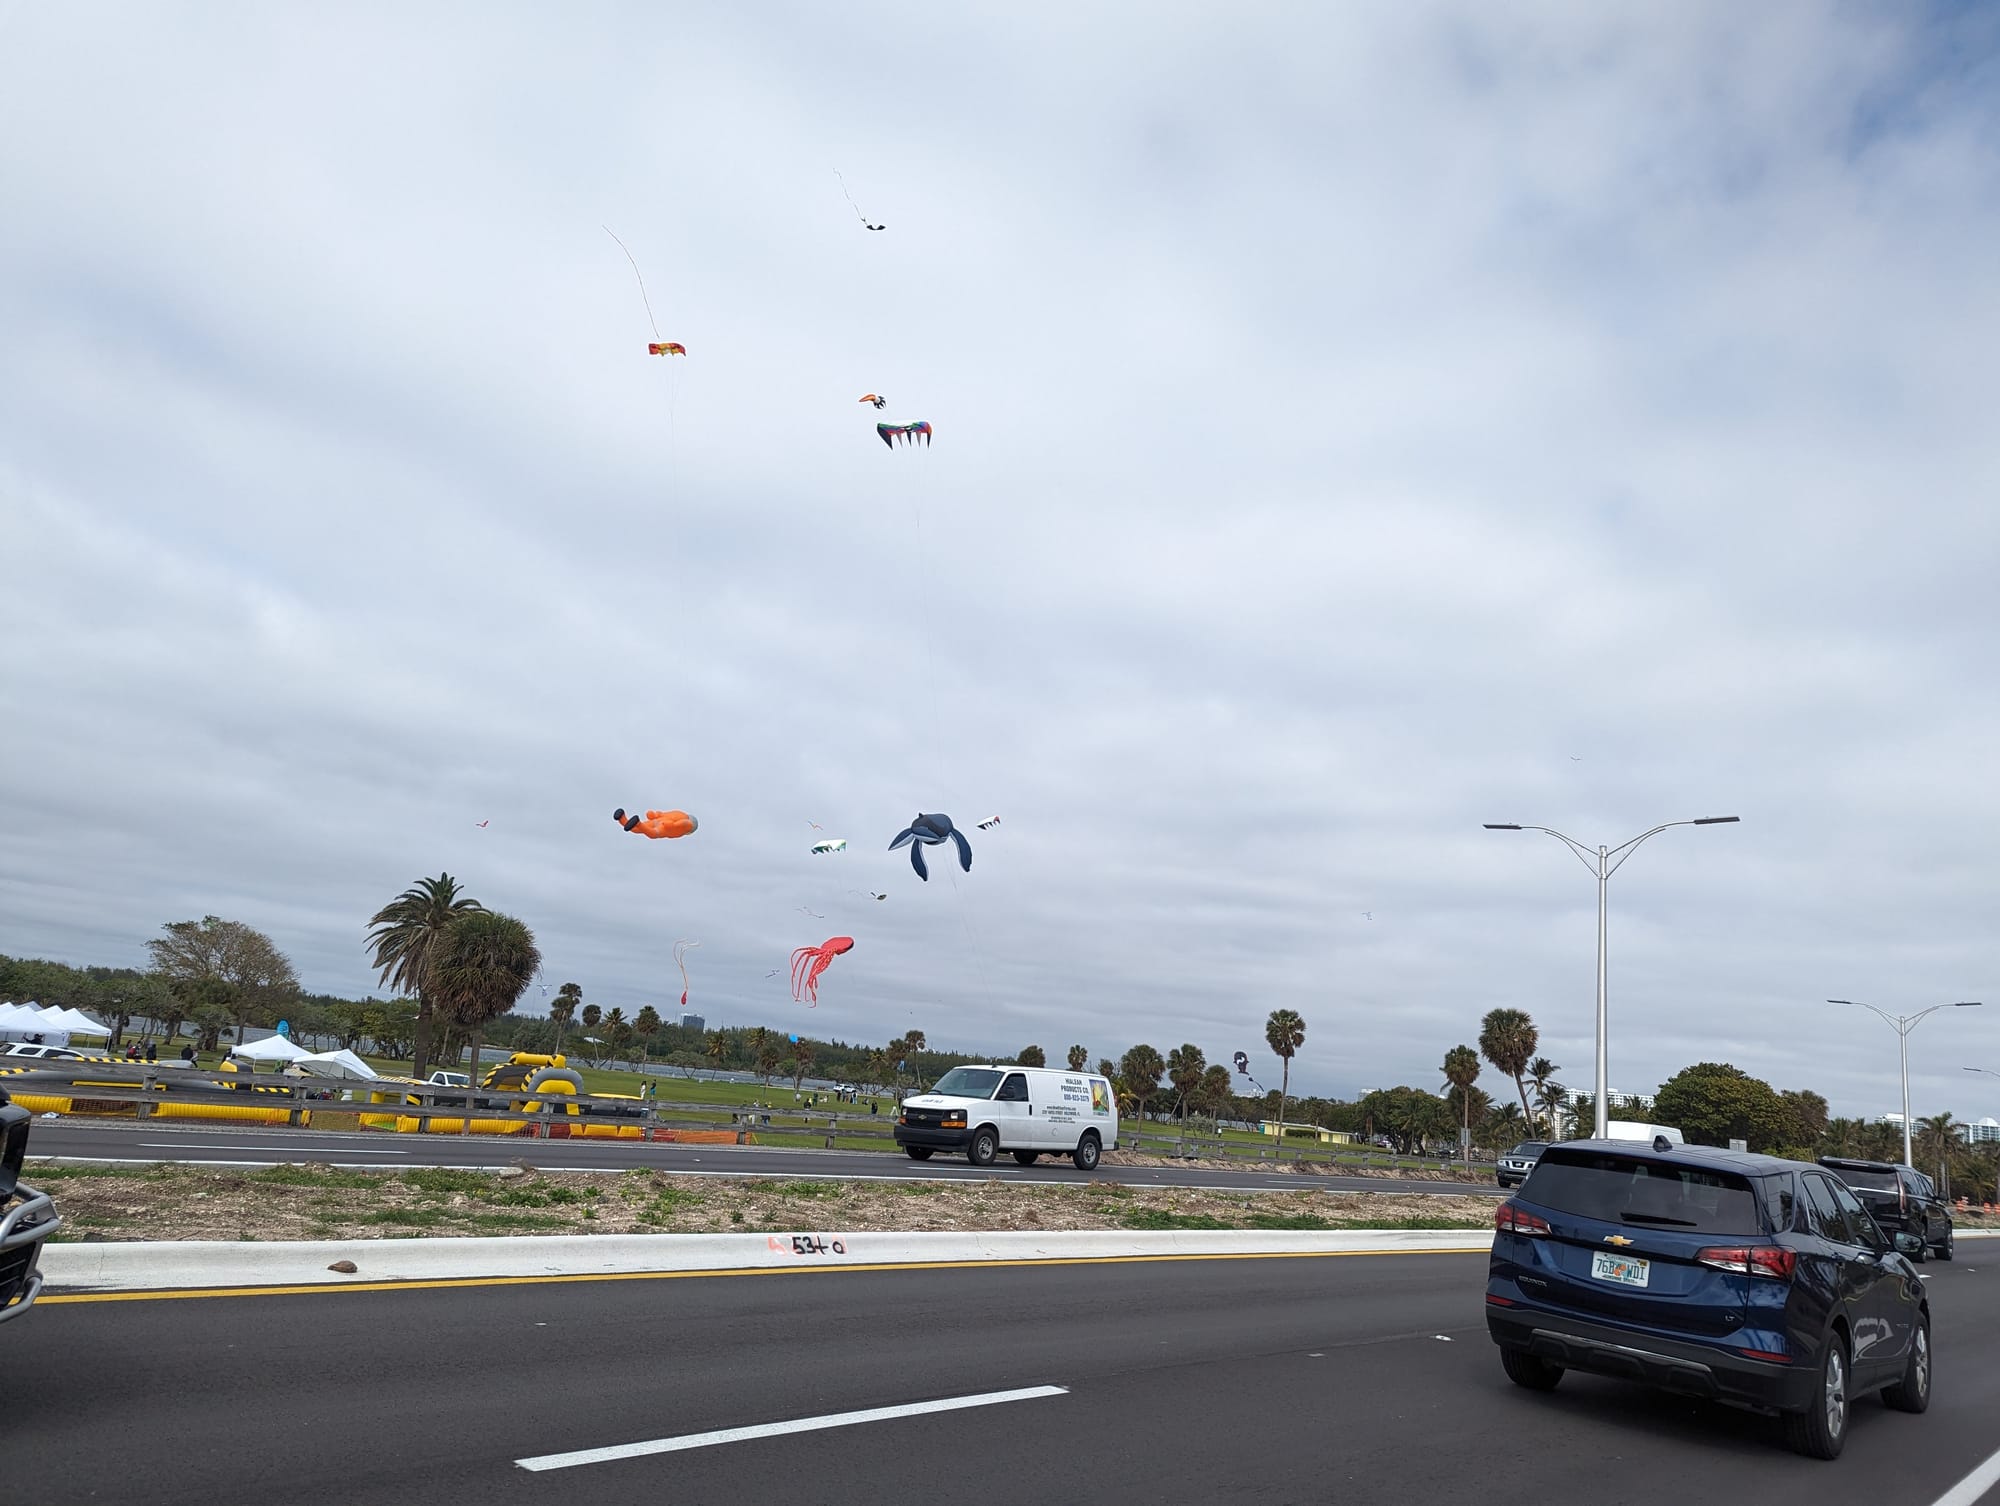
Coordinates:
<point>27,1217</point>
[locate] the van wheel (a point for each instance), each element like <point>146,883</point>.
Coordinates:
<point>1530,1371</point>
<point>1819,1431</point>
<point>1913,1392</point>
<point>1087,1151</point>
<point>984,1147</point>
<point>1026,1157</point>
<point>919,1152</point>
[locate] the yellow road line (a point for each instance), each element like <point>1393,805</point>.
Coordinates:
<point>445,1283</point>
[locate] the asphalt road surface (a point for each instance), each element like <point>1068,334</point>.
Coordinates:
<point>1355,1379</point>
<point>147,1141</point>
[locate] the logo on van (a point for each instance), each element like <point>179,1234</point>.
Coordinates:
<point>1100,1098</point>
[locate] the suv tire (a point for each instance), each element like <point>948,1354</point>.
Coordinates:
<point>1944,1251</point>
<point>983,1146</point>
<point>1525,1369</point>
<point>1913,1392</point>
<point>1821,1429</point>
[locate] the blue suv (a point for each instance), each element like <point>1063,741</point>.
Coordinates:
<point>1743,1279</point>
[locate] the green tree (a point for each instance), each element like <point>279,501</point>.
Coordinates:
<point>1032,1056</point>
<point>1712,1103</point>
<point>716,1047</point>
<point>1185,1068</point>
<point>1805,1119</point>
<point>1106,1069</point>
<point>764,1052</point>
<point>1284,1033</point>
<point>800,1062</point>
<point>1139,1075</point>
<point>216,962</point>
<point>568,999</point>
<point>1933,1144</point>
<point>479,969</point>
<point>592,1017</point>
<point>1507,1038</point>
<point>1461,1070</point>
<point>404,933</point>
<point>1217,1091</point>
<point>1079,1059</point>
<point>646,1026</point>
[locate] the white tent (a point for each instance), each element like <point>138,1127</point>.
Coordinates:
<point>273,1048</point>
<point>76,1022</point>
<point>342,1063</point>
<point>23,1022</point>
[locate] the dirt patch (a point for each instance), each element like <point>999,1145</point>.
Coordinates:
<point>330,1202</point>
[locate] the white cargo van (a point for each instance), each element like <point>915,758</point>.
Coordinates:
<point>1030,1111</point>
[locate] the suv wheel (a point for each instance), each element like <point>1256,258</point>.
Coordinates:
<point>1913,1392</point>
<point>1525,1369</point>
<point>1944,1251</point>
<point>1922,1255</point>
<point>1819,1431</point>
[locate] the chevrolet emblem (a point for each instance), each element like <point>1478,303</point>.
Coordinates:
<point>1616,1239</point>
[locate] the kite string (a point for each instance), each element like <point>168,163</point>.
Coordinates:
<point>850,199</point>
<point>643,297</point>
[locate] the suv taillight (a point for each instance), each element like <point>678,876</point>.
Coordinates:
<point>1750,1260</point>
<point>1507,1219</point>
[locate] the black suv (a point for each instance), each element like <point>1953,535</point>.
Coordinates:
<point>1710,1273</point>
<point>1903,1200</point>
<point>27,1217</point>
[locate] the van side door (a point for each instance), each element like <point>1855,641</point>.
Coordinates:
<point>1010,1113</point>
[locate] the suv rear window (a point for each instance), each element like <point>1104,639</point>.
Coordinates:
<point>1624,1190</point>
<point>1869,1181</point>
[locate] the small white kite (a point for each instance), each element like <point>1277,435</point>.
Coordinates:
<point>989,823</point>
<point>831,844</point>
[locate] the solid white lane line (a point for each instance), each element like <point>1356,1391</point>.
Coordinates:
<point>1974,1485</point>
<point>780,1429</point>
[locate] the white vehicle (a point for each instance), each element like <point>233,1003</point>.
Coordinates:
<point>1028,1111</point>
<point>1632,1129</point>
<point>41,1052</point>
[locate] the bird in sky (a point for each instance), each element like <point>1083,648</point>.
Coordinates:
<point>483,823</point>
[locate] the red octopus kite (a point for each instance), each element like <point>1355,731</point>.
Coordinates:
<point>808,962</point>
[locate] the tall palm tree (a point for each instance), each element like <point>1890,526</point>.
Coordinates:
<point>1507,1038</point>
<point>1284,1033</point>
<point>759,1038</point>
<point>405,934</point>
<point>479,968</point>
<point>1186,1065</point>
<point>1547,1096</point>
<point>1078,1058</point>
<point>647,1025</point>
<point>716,1047</point>
<point>568,999</point>
<point>1461,1070</point>
<point>1935,1137</point>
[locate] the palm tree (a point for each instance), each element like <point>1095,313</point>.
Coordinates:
<point>569,998</point>
<point>1461,1070</point>
<point>716,1047</point>
<point>617,1030</point>
<point>646,1026</point>
<point>1078,1058</point>
<point>1507,1038</point>
<point>1935,1137</point>
<point>801,1062</point>
<point>759,1038</point>
<point>1185,1068</point>
<point>406,933</point>
<point>479,968</point>
<point>1548,1093</point>
<point>1284,1032</point>
<point>1507,1123</point>
<point>592,1016</point>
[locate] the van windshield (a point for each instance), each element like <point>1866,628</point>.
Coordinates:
<point>968,1082</point>
<point>1622,1190</point>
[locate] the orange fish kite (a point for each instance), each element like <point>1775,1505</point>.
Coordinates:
<point>657,824</point>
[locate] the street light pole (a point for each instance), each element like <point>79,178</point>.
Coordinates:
<point>1903,1024</point>
<point>1602,867</point>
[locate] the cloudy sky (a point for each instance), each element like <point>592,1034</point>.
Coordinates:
<point>1353,424</point>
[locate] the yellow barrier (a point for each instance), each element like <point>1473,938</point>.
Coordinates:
<point>50,1103</point>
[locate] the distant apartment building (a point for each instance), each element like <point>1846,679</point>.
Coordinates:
<point>1985,1132</point>
<point>693,1022</point>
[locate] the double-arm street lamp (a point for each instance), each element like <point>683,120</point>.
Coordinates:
<point>1603,862</point>
<point>1903,1024</point>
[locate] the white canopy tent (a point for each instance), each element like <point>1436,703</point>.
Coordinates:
<point>76,1022</point>
<point>273,1048</point>
<point>24,1022</point>
<point>342,1063</point>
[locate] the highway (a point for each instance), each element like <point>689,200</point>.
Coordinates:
<point>1357,1379</point>
<point>111,1140</point>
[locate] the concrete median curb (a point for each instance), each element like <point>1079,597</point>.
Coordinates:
<point>180,1265</point>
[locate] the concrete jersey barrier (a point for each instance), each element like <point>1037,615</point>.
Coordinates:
<point>180,1265</point>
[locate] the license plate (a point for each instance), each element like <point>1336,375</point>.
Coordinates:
<point>1626,1270</point>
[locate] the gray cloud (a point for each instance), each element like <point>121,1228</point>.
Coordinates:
<point>1344,424</point>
